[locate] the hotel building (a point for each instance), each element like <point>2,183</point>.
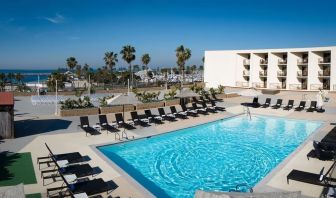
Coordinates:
<point>286,69</point>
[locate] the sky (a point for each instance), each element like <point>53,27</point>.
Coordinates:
<point>42,34</point>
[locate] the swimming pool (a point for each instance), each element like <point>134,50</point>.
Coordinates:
<point>215,156</point>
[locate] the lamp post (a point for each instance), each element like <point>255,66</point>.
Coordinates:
<point>56,100</point>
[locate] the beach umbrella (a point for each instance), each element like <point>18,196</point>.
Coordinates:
<point>187,93</point>
<point>319,100</point>
<point>124,99</point>
<point>250,93</point>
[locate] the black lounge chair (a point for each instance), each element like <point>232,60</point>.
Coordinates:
<point>121,122</point>
<point>312,178</point>
<point>267,103</point>
<point>199,109</point>
<point>85,125</point>
<point>209,109</point>
<point>71,158</point>
<point>154,118</point>
<point>180,114</point>
<point>255,103</point>
<point>106,126</point>
<point>312,106</point>
<point>320,110</point>
<point>278,104</point>
<point>301,106</point>
<point>320,153</point>
<point>213,104</point>
<point>202,99</point>
<point>190,112</point>
<point>207,96</point>
<point>169,117</point>
<point>330,138</point>
<point>90,187</point>
<point>138,120</point>
<point>289,105</point>
<point>215,98</point>
<point>196,101</point>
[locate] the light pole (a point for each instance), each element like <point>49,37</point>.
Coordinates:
<point>56,100</point>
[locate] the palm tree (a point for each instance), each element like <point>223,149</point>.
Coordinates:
<point>145,59</point>
<point>182,55</point>
<point>19,77</point>
<point>2,81</point>
<point>128,56</point>
<point>71,62</point>
<point>111,59</point>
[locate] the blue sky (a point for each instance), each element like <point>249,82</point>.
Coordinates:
<point>42,34</point>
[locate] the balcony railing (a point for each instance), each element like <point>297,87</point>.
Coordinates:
<point>325,73</point>
<point>263,73</point>
<point>324,60</point>
<point>302,74</point>
<point>282,73</point>
<point>246,62</point>
<point>316,86</point>
<point>263,62</point>
<point>276,86</point>
<point>282,62</point>
<point>297,86</point>
<point>246,73</point>
<point>242,84</point>
<point>258,85</point>
<point>302,62</point>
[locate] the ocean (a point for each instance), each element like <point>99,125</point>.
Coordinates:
<point>30,75</point>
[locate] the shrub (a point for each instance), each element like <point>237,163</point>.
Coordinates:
<point>171,94</point>
<point>76,104</point>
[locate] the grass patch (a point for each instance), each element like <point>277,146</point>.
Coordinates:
<point>36,195</point>
<point>16,168</point>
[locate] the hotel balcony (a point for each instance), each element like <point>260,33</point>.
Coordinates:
<point>263,73</point>
<point>297,86</point>
<point>324,74</point>
<point>282,62</point>
<point>259,85</point>
<point>242,84</point>
<point>316,86</point>
<point>277,85</point>
<point>282,74</point>
<point>302,74</point>
<point>263,62</point>
<point>246,62</point>
<point>302,62</point>
<point>324,61</point>
<point>246,73</point>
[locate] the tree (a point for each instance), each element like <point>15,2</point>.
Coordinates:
<point>182,55</point>
<point>2,81</point>
<point>71,62</point>
<point>51,83</point>
<point>19,78</point>
<point>78,71</point>
<point>128,56</point>
<point>110,59</point>
<point>145,59</point>
<point>10,77</point>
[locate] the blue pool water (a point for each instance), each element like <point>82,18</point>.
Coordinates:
<point>215,156</point>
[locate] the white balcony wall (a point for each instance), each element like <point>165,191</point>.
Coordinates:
<point>240,68</point>
<point>272,69</point>
<point>313,69</point>
<point>254,69</point>
<point>292,69</point>
<point>333,69</point>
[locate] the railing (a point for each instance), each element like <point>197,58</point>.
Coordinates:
<point>282,62</point>
<point>302,73</point>
<point>242,84</point>
<point>297,86</point>
<point>246,73</point>
<point>302,62</point>
<point>324,73</point>
<point>246,62</point>
<point>282,73</point>
<point>263,73</point>
<point>275,86</point>
<point>263,62</point>
<point>258,85</point>
<point>316,86</point>
<point>324,60</point>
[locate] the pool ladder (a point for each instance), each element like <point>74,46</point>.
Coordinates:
<point>248,112</point>
<point>238,188</point>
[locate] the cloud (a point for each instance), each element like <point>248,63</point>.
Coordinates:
<point>58,18</point>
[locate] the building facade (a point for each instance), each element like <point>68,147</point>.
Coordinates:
<point>287,69</point>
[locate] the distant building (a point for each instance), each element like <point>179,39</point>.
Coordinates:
<point>287,69</point>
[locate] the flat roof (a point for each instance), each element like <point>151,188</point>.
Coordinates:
<point>6,99</point>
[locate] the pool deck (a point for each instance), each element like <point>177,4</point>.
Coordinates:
<point>70,138</point>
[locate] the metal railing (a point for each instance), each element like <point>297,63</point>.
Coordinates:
<point>324,60</point>
<point>324,73</point>
<point>263,73</point>
<point>275,86</point>
<point>263,62</point>
<point>258,85</point>
<point>302,73</point>
<point>282,62</point>
<point>297,86</point>
<point>302,61</point>
<point>246,62</point>
<point>281,73</point>
<point>246,73</point>
<point>242,84</point>
<point>316,86</point>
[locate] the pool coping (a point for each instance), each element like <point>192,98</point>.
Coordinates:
<point>260,185</point>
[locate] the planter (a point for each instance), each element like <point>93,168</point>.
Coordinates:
<point>79,112</point>
<point>172,102</point>
<point>116,108</point>
<point>231,95</point>
<point>149,105</point>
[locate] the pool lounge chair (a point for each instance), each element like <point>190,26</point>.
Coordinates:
<point>255,103</point>
<point>121,122</point>
<point>312,178</point>
<point>215,98</point>
<point>66,158</point>
<point>106,126</point>
<point>138,120</point>
<point>85,125</point>
<point>199,109</point>
<point>154,118</point>
<point>190,112</point>
<point>320,153</point>
<point>89,187</point>
<point>301,106</point>
<point>207,96</point>
<point>312,106</point>
<point>209,109</point>
<point>196,101</point>
<point>169,116</point>
<point>213,104</point>
<point>289,105</point>
<point>278,104</point>
<point>267,103</point>
<point>180,114</point>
